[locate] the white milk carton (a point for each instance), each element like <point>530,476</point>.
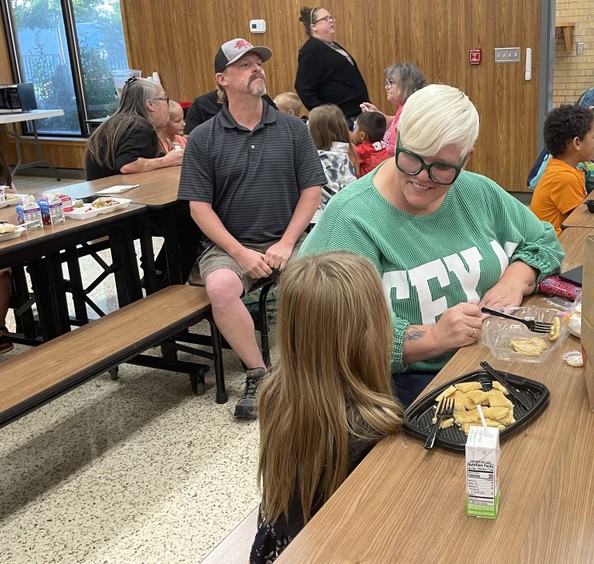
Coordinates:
<point>482,472</point>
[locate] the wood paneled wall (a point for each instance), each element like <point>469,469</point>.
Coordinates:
<point>179,41</point>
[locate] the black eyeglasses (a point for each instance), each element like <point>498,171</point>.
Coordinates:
<point>163,99</point>
<point>388,83</point>
<point>327,19</point>
<point>412,164</point>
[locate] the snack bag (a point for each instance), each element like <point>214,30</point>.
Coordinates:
<point>554,286</point>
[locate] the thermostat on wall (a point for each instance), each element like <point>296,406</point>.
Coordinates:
<point>257,26</point>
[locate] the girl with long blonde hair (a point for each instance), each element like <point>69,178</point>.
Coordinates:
<point>329,399</point>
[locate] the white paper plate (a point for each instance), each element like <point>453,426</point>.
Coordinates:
<point>86,212</point>
<point>122,204</point>
<point>11,200</point>
<point>14,235</point>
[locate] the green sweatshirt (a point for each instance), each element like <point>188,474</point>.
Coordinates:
<point>429,263</point>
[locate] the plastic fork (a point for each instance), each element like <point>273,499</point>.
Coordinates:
<point>445,410</point>
<point>534,326</point>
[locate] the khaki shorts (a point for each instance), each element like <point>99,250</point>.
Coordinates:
<point>215,258</point>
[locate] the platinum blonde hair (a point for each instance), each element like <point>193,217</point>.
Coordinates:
<point>437,116</point>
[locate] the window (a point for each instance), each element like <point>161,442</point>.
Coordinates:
<point>68,50</point>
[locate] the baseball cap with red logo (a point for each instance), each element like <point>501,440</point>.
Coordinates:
<point>235,49</point>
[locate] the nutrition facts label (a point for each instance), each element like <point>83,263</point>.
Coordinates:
<point>480,482</point>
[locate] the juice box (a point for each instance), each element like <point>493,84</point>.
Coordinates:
<point>482,472</point>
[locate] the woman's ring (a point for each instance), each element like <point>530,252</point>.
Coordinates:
<point>473,332</point>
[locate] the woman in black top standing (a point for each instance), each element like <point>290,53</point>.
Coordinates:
<point>326,72</point>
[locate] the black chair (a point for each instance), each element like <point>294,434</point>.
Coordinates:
<point>260,317</point>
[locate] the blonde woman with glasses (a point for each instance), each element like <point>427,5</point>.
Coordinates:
<point>326,72</point>
<point>329,399</point>
<point>446,241</point>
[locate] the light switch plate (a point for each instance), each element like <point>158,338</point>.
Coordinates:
<point>507,54</point>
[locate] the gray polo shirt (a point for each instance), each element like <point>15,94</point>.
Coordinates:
<point>252,179</point>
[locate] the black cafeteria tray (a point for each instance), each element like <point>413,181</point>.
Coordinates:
<point>417,418</point>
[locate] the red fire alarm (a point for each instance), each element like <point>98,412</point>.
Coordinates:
<point>475,57</point>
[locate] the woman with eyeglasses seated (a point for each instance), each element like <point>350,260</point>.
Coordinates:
<point>446,241</point>
<point>127,142</point>
<point>400,81</point>
<point>326,72</point>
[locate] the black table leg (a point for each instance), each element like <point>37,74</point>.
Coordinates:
<point>49,287</point>
<point>125,266</point>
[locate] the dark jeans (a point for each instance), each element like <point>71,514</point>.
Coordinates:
<point>408,385</point>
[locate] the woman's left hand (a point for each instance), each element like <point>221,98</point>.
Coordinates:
<point>502,295</point>
<point>518,280</point>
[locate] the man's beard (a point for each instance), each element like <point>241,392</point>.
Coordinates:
<point>257,87</point>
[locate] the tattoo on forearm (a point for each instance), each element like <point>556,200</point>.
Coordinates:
<point>413,334</point>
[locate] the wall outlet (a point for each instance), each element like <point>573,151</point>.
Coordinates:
<point>507,54</point>
<point>580,48</point>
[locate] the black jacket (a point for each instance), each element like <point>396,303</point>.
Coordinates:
<point>324,76</point>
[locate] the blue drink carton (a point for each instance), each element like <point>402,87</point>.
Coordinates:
<point>29,213</point>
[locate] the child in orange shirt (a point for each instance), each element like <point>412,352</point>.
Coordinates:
<point>367,138</point>
<point>569,137</point>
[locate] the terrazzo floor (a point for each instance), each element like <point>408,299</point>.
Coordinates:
<point>134,470</point>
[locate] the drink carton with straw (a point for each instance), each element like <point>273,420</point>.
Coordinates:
<point>482,470</point>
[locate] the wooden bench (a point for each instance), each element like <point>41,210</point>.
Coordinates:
<point>53,368</point>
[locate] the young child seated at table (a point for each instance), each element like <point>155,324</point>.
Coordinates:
<point>330,132</point>
<point>367,137</point>
<point>569,137</point>
<point>329,399</point>
<point>171,135</point>
<point>288,103</point>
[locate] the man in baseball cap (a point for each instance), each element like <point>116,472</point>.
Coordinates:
<point>253,178</point>
<point>235,49</point>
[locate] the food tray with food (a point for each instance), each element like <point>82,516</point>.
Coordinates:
<point>512,341</point>
<point>418,418</point>
<point>82,212</point>
<point>10,200</point>
<point>9,231</point>
<point>108,204</point>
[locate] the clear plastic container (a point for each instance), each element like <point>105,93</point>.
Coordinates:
<point>498,333</point>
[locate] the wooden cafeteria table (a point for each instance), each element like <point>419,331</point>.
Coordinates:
<point>158,191</point>
<point>573,241</point>
<point>42,249</point>
<point>406,504</point>
<point>580,216</point>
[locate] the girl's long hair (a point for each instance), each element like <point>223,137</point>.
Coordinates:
<point>132,110</point>
<point>332,383</point>
<point>327,124</point>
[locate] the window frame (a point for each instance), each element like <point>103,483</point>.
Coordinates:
<point>12,40</point>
